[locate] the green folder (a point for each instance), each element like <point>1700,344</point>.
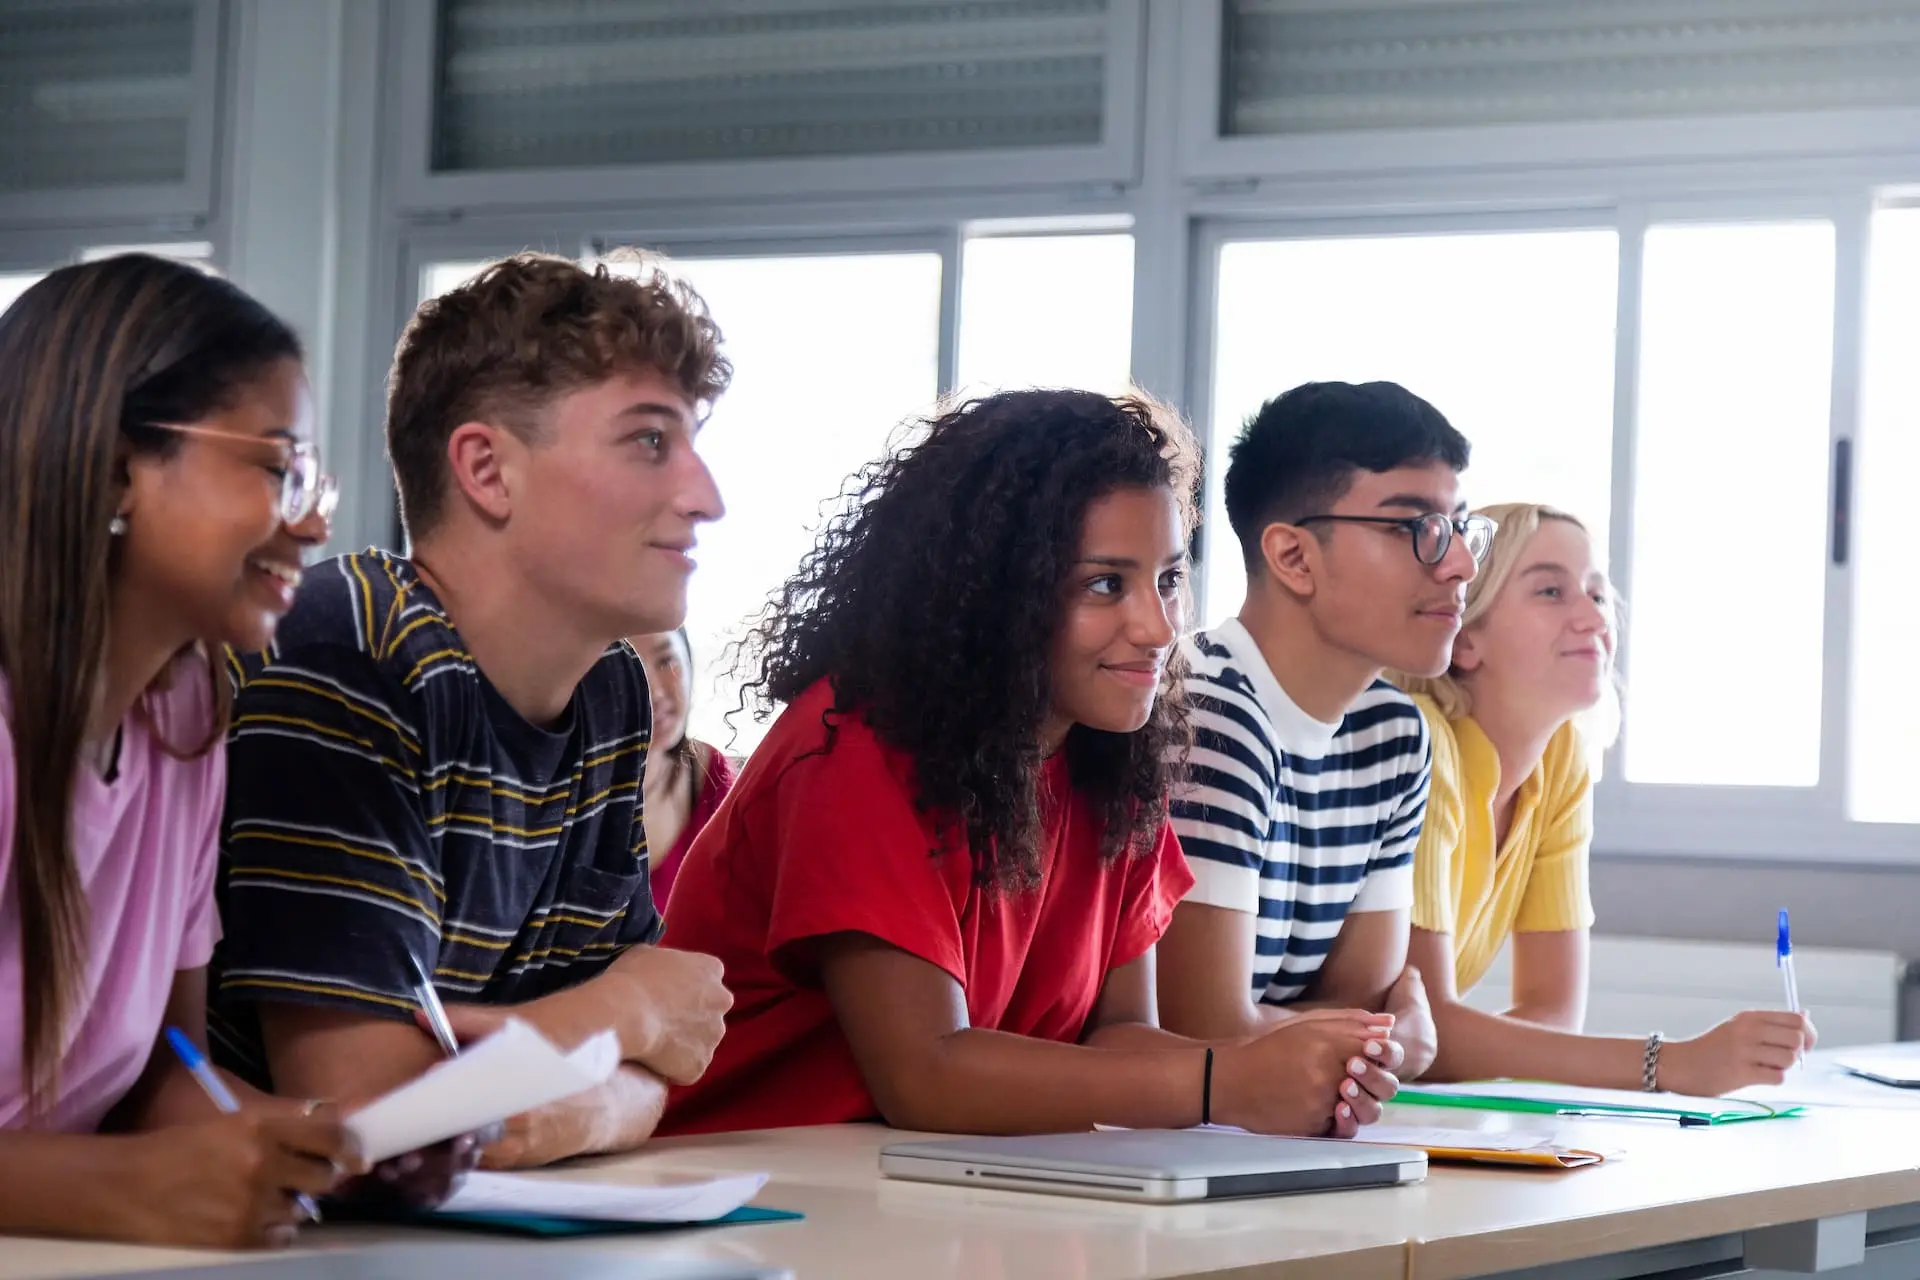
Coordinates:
<point>1734,1111</point>
<point>547,1226</point>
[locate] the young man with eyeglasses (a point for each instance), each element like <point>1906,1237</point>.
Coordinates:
<point>1308,775</point>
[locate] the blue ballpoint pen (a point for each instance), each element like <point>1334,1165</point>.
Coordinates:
<point>216,1089</point>
<point>1783,961</point>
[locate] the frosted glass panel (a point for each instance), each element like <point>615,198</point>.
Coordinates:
<point>629,82</point>
<point>785,438</point>
<point>1046,311</point>
<point>1886,699</point>
<point>1724,631</point>
<point>94,92</point>
<point>1509,335</point>
<point>1310,66</point>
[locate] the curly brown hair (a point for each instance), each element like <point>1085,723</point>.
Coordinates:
<point>931,600</point>
<point>525,331</point>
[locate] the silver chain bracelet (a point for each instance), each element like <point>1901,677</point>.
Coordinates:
<point>1650,1065</point>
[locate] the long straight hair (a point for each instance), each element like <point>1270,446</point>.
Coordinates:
<point>90,357</point>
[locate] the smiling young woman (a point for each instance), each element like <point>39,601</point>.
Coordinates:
<point>938,885</point>
<point>1528,693</point>
<point>159,488</point>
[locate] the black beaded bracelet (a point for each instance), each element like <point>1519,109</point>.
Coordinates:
<point>1206,1092</point>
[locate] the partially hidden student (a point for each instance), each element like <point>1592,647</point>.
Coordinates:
<point>438,764</point>
<point>686,778</point>
<point>938,885</point>
<point>1309,772</point>
<point>1503,855</point>
<point>160,484</point>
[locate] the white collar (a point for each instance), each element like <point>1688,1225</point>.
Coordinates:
<point>1298,733</point>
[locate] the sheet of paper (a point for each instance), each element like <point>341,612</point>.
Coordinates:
<point>1406,1135</point>
<point>1577,1096</point>
<point>513,1070</point>
<point>604,1201</point>
<point>1825,1085</point>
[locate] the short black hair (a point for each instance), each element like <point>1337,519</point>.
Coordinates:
<point>1297,456</point>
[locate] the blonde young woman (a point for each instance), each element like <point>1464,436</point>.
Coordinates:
<point>1504,850</point>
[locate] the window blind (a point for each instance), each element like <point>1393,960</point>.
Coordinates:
<point>94,93</point>
<point>1315,66</point>
<point>570,83</point>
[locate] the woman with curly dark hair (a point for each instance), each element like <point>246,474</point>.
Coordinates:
<point>938,884</point>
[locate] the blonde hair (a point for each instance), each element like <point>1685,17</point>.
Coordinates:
<point>1518,522</point>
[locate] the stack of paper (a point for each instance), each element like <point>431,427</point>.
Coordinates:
<point>604,1201</point>
<point>513,1070</point>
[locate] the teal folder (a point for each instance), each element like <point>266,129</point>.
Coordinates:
<point>544,1226</point>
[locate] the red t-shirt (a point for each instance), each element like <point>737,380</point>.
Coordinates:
<point>812,842</point>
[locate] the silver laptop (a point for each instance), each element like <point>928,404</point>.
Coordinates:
<point>1154,1165</point>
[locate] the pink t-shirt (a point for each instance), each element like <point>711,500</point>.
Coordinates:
<point>146,846</point>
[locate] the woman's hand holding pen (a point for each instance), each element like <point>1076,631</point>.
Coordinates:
<point>228,1183</point>
<point>1754,1047</point>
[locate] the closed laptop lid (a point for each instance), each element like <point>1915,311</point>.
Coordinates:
<point>1157,1153</point>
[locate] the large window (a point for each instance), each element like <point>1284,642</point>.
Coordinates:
<point>1885,719</point>
<point>1770,706</point>
<point>1046,311</point>
<point>830,353</point>
<point>1511,335</point>
<point>1729,534</point>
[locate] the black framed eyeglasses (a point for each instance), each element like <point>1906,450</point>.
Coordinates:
<point>1431,534</point>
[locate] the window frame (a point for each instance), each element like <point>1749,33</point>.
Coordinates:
<point>1113,161</point>
<point>1657,820</point>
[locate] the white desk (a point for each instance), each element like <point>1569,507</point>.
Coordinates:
<point>1680,1197</point>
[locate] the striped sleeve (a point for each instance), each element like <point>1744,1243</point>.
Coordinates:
<point>1221,811</point>
<point>329,882</point>
<point>1389,877</point>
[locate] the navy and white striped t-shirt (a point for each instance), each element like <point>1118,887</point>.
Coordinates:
<point>1293,819</point>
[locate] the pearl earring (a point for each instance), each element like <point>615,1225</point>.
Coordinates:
<point>117,526</point>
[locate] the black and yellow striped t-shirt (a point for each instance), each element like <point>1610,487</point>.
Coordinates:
<point>384,801</point>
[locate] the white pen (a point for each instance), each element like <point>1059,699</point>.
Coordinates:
<point>436,1012</point>
<point>1783,960</point>
<point>222,1097</point>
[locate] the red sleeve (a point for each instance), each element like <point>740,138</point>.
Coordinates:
<point>854,856</point>
<point>1156,882</point>
<point>715,781</point>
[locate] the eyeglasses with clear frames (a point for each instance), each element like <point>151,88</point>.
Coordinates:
<point>305,490</point>
<point>1432,534</point>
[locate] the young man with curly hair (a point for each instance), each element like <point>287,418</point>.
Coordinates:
<point>437,766</point>
<point>938,885</point>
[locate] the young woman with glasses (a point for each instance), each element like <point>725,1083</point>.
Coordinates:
<point>158,486</point>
